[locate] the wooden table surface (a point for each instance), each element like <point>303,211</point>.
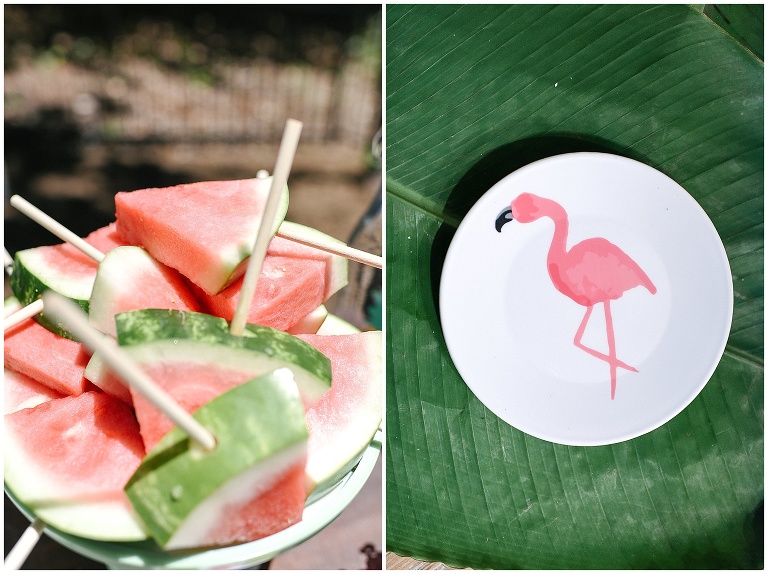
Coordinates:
<point>397,562</point>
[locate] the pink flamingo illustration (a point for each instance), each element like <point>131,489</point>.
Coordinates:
<point>591,272</point>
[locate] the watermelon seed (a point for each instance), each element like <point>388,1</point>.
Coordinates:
<point>176,492</point>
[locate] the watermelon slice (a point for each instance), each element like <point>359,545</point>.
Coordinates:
<point>194,358</point>
<point>287,290</point>
<point>23,392</point>
<point>249,486</point>
<point>311,369</point>
<point>153,423</point>
<point>343,422</point>
<point>62,268</point>
<point>129,278</point>
<point>206,230</point>
<point>191,384</point>
<point>50,359</point>
<point>335,325</point>
<point>336,267</point>
<point>69,459</point>
<point>98,373</point>
<point>311,322</point>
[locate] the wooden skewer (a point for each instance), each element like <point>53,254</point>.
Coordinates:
<point>67,312</point>
<point>23,547</point>
<point>283,164</point>
<point>10,308</point>
<point>55,227</point>
<point>22,314</point>
<point>282,168</point>
<point>75,320</point>
<point>335,248</point>
<point>46,221</point>
<point>328,246</point>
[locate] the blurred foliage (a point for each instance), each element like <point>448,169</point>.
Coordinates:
<point>193,36</point>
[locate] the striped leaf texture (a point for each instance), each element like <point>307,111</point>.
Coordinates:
<point>475,92</point>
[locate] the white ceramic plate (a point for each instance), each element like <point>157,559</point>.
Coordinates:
<point>511,328</point>
<point>321,510</point>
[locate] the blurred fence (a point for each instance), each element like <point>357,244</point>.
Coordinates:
<point>139,100</point>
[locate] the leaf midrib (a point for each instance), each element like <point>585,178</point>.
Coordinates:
<point>410,197</point>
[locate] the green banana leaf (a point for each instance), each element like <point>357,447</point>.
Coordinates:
<point>473,93</point>
<point>742,21</point>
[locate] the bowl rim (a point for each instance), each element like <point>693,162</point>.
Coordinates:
<point>146,554</point>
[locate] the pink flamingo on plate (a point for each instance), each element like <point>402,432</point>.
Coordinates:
<point>591,272</point>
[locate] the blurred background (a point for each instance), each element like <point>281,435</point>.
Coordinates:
<point>108,98</point>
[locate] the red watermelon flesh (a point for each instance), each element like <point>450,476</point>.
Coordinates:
<point>23,392</point>
<point>48,358</point>
<point>342,423</point>
<point>71,261</point>
<point>203,230</point>
<point>69,459</point>
<point>105,238</point>
<point>279,506</point>
<point>288,289</point>
<point>335,265</point>
<point>78,447</point>
<point>129,278</point>
<point>190,385</point>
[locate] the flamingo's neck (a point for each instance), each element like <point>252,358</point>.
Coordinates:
<point>557,249</point>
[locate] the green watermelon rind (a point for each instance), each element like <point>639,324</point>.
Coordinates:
<point>311,322</point>
<point>335,325</point>
<point>177,475</point>
<point>31,278</point>
<point>187,352</point>
<point>142,327</point>
<point>11,305</point>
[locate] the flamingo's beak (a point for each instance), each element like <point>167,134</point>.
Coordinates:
<point>503,217</point>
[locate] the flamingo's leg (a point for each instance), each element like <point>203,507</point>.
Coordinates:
<point>580,333</point>
<point>611,345</point>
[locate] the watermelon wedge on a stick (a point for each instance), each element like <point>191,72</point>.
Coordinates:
<point>294,280</point>
<point>205,230</point>
<point>262,456</point>
<point>336,266</point>
<point>288,289</point>
<point>195,358</point>
<point>248,487</point>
